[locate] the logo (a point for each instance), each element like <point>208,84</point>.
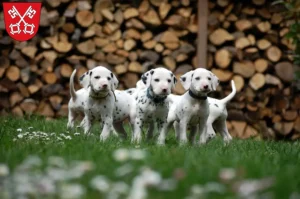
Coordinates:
<point>22,19</point>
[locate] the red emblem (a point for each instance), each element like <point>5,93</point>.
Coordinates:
<point>22,20</point>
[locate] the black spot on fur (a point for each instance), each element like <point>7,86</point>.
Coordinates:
<point>81,78</point>
<point>91,73</point>
<point>111,75</point>
<point>183,79</point>
<point>104,106</point>
<point>216,105</point>
<point>151,72</point>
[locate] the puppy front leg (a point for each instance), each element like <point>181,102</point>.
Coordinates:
<point>182,131</point>
<point>137,130</point>
<point>71,119</point>
<point>202,131</point>
<point>107,128</point>
<point>177,130</point>
<point>162,133</point>
<point>87,125</point>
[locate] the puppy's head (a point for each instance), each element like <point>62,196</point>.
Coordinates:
<point>200,81</point>
<point>100,79</point>
<point>160,80</point>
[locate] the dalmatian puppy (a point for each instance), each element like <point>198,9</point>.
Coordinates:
<point>192,108</point>
<point>152,104</point>
<point>124,105</point>
<point>217,115</point>
<point>139,86</point>
<point>98,99</point>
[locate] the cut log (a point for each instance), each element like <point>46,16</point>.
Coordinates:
<point>110,48</point>
<point>169,62</point>
<point>133,56</point>
<point>110,27</point>
<point>285,71</point>
<point>245,68</point>
<point>273,54</point>
<point>239,127</point>
<point>242,42</point>
<point>55,101</point>
<point>87,47</point>
<point>15,98</point>
<point>106,13</point>
<point>159,47</point>
<point>145,36</point>
<point>50,78</point>
<point>149,44</point>
<point>13,73</point>
<point>120,69</point>
<point>261,65</point>
<point>135,67</point>
<point>276,18</point>
<point>129,44</point>
<point>251,39</point>
<point>134,23</point>
<point>132,33</point>
<point>239,82</point>
<point>17,111</point>
<point>223,58</point>
<point>84,18</point>
<point>263,44</point>
<point>164,9</point>
<point>100,42</point>
<point>263,12</point>
<point>123,53</point>
<point>284,128</point>
<point>185,12</point>
<point>45,109</point>
<point>130,80</point>
<point>29,51</point>
<point>223,3</point>
<point>297,124</point>
<point>130,13</point>
<point>273,80</point>
<point>243,24</point>
<point>257,81</point>
<point>144,7</point>
<point>258,2</point>
<point>223,75</point>
<point>28,106</point>
<point>66,70</point>
<point>264,26</point>
<point>149,55</point>
<point>151,17</point>
<point>220,36</point>
<point>168,37</point>
<point>290,115</point>
<point>250,132</point>
<point>114,59</point>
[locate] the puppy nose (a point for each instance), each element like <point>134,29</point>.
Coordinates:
<point>104,85</point>
<point>164,90</point>
<point>206,86</point>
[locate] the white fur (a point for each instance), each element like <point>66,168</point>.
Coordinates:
<point>188,111</point>
<point>96,100</point>
<point>160,81</point>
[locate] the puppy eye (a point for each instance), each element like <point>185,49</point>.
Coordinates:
<point>209,78</point>
<point>197,78</point>
<point>97,77</point>
<point>169,80</point>
<point>108,78</point>
<point>157,80</point>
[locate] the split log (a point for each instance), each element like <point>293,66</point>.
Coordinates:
<point>264,26</point>
<point>257,81</point>
<point>13,73</point>
<point>130,13</point>
<point>66,70</point>
<point>15,98</point>
<point>290,115</point>
<point>284,128</point>
<point>88,47</point>
<point>285,71</point>
<point>223,58</point>
<point>242,42</point>
<point>120,69</point>
<point>263,44</point>
<point>50,78</point>
<point>84,18</point>
<point>261,65</point>
<point>169,62</point>
<point>239,127</point>
<point>29,51</point>
<point>243,24</point>
<point>223,75</point>
<point>135,67</point>
<point>28,106</point>
<point>239,82</point>
<point>164,9</point>
<point>245,68</point>
<point>273,53</point>
<point>219,36</point>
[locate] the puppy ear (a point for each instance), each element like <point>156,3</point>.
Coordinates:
<point>84,80</point>
<point>186,79</point>
<point>214,82</point>
<point>114,82</point>
<point>146,77</point>
<point>140,84</point>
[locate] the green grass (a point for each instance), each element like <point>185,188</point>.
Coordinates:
<point>252,159</point>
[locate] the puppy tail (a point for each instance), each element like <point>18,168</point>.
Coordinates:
<point>72,89</point>
<point>231,95</point>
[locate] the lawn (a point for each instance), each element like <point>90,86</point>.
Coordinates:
<point>45,160</point>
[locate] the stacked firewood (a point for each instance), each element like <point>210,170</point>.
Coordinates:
<point>246,43</point>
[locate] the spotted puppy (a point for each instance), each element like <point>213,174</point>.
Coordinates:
<point>218,115</point>
<point>97,99</point>
<point>152,104</point>
<point>123,108</point>
<point>192,108</point>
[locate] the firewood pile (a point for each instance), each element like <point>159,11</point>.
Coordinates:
<point>245,43</point>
